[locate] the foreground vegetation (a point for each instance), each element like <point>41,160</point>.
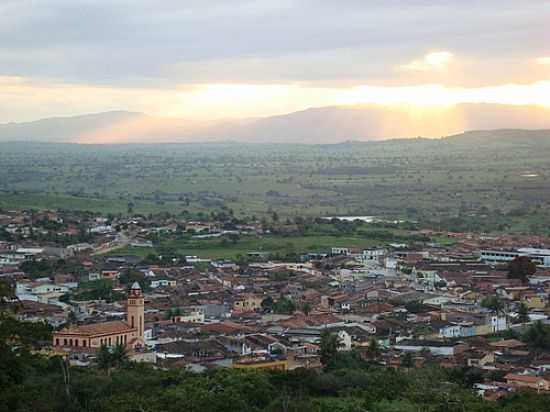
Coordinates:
<point>34,383</point>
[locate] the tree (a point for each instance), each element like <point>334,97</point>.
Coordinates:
<point>267,304</point>
<point>493,302</point>
<point>103,359</point>
<point>416,306</point>
<point>234,237</point>
<point>538,336</point>
<point>306,308</point>
<point>521,268</point>
<point>373,349</point>
<point>284,306</point>
<point>407,361</point>
<point>99,289</point>
<point>330,342</point>
<point>111,357</point>
<point>119,355</point>
<point>523,313</point>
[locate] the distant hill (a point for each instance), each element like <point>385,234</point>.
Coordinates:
<point>62,129</point>
<point>502,136</point>
<point>311,126</point>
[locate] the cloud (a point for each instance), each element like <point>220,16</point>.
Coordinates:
<point>161,56</point>
<point>543,60</point>
<point>112,43</point>
<point>431,61</point>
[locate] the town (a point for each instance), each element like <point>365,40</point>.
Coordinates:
<point>408,298</point>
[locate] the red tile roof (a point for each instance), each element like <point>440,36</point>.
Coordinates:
<point>104,328</point>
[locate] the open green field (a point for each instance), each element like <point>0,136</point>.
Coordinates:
<point>495,182</point>
<point>217,249</point>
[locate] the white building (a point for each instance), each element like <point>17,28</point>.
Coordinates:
<point>540,256</point>
<point>163,283</point>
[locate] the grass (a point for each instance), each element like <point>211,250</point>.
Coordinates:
<point>215,249</point>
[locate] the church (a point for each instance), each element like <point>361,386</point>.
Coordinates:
<point>93,336</point>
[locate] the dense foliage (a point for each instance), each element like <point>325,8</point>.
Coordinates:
<point>34,383</point>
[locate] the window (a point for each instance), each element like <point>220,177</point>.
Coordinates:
<point>70,342</point>
<point>56,342</point>
<point>84,343</point>
<point>109,341</point>
<point>64,342</point>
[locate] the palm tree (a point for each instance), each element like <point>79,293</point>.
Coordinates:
<point>108,358</point>
<point>119,355</point>
<point>306,308</point>
<point>103,359</point>
<point>330,342</point>
<point>373,349</point>
<point>407,361</point>
<point>538,336</point>
<point>523,313</point>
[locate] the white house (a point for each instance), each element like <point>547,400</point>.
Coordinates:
<point>156,283</point>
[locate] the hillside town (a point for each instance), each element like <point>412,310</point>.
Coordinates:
<point>461,300</point>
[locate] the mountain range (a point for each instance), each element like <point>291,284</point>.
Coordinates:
<point>311,126</point>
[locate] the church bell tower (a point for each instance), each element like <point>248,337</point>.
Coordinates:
<point>136,309</point>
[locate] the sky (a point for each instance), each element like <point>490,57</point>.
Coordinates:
<point>219,59</point>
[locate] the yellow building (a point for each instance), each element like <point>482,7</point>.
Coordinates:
<point>533,301</point>
<point>93,336</point>
<point>247,303</point>
<point>260,363</point>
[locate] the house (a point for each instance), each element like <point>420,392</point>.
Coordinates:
<point>40,312</point>
<point>157,283</point>
<point>110,274</point>
<point>435,347</point>
<point>538,383</point>
<point>202,350</point>
<point>263,362</point>
<point>48,288</point>
<point>200,227</point>
<point>534,301</point>
<point>508,344</point>
<point>191,317</point>
<point>479,358</point>
<point>247,303</point>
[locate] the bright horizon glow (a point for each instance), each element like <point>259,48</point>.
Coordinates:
<point>205,102</point>
<point>438,95</point>
<point>265,100</point>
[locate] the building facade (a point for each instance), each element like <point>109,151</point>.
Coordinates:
<point>93,336</point>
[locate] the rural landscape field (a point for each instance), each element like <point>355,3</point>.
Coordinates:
<point>493,181</point>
